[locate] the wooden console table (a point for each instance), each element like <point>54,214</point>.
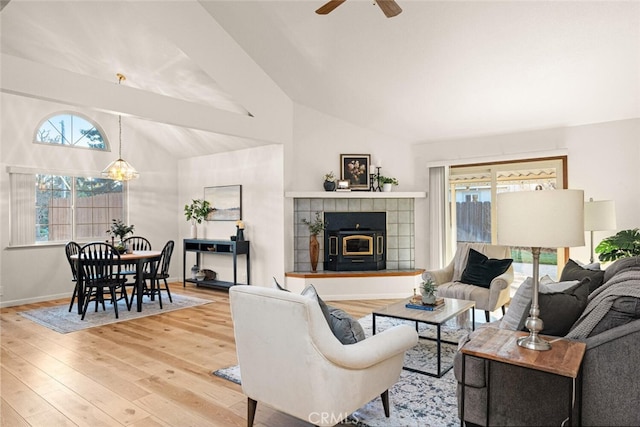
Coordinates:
<point>215,247</point>
<point>500,345</point>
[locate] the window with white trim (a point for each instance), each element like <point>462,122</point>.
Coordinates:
<point>72,130</point>
<point>50,208</point>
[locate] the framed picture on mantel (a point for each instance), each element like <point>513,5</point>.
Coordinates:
<point>355,169</point>
<point>226,202</point>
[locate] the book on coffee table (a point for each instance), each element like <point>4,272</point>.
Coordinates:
<point>422,306</point>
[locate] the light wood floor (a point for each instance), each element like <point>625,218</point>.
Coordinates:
<point>153,371</point>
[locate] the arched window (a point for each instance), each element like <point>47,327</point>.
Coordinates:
<point>70,129</point>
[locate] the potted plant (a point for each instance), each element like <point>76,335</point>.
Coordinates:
<point>120,230</point>
<point>625,243</point>
<point>196,212</point>
<point>315,227</point>
<point>428,291</point>
<point>387,182</point>
<point>329,182</point>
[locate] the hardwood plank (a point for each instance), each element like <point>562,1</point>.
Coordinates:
<point>147,372</point>
<point>10,418</point>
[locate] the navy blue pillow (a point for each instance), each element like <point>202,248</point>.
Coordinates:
<point>481,270</point>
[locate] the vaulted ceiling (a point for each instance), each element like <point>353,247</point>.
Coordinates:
<point>439,70</point>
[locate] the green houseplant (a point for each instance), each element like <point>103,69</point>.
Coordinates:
<point>428,291</point>
<point>196,212</point>
<point>387,182</point>
<point>315,227</point>
<point>625,243</point>
<point>120,230</point>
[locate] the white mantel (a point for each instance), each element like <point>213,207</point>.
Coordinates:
<point>356,194</point>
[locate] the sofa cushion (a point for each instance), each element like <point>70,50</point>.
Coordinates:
<point>560,310</point>
<point>481,270</point>
<point>625,309</point>
<point>345,328</point>
<point>573,271</point>
<point>518,310</point>
<point>620,265</point>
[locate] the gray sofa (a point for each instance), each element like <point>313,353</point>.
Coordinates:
<point>610,373</point>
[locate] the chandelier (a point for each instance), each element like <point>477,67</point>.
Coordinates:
<point>120,170</point>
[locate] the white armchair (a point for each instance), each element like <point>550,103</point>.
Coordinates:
<point>290,360</point>
<point>449,286</point>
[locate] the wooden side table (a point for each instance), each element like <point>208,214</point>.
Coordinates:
<point>499,345</point>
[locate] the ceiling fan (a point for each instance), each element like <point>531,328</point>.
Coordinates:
<point>389,7</point>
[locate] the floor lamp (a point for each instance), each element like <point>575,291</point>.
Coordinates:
<point>540,219</point>
<point>599,216</point>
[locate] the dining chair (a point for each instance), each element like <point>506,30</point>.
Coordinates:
<point>136,243</point>
<point>99,270</point>
<point>161,273</point>
<point>72,248</point>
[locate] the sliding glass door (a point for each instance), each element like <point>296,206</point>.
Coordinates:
<point>473,190</point>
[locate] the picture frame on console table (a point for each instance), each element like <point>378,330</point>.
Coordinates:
<point>226,202</point>
<point>355,169</point>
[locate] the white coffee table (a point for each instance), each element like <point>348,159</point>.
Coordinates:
<point>450,309</point>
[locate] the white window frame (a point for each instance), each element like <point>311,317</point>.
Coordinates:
<point>72,144</point>
<point>22,219</point>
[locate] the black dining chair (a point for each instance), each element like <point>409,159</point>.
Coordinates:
<point>72,248</point>
<point>136,243</point>
<point>161,273</point>
<point>99,270</point>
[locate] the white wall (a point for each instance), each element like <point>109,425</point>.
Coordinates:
<point>603,161</point>
<point>259,171</point>
<point>319,139</point>
<point>41,273</point>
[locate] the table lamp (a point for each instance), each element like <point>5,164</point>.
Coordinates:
<point>540,219</point>
<point>599,216</point>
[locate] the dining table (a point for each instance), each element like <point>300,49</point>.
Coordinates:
<point>140,258</point>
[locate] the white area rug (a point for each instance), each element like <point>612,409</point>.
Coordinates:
<point>61,320</point>
<point>416,400</point>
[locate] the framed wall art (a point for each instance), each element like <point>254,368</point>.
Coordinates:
<point>355,169</point>
<point>226,202</point>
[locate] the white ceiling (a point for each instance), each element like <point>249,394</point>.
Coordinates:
<point>439,70</point>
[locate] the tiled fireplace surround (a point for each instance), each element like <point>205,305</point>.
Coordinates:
<point>400,227</point>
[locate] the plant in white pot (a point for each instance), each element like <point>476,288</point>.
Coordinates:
<point>428,290</point>
<point>196,212</point>
<point>387,182</point>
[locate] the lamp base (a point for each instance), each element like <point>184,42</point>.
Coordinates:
<point>534,342</point>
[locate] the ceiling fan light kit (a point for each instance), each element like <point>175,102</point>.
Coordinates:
<point>389,7</point>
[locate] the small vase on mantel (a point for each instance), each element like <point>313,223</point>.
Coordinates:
<point>194,230</point>
<point>314,252</point>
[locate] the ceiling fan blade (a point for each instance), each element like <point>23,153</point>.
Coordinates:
<point>328,7</point>
<point>389,7</point>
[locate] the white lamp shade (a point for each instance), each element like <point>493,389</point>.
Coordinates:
<point>599,215</point>
<point>541,219</point>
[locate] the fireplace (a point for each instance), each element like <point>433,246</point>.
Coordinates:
<point>355,241</point>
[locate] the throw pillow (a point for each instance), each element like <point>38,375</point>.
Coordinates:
<point>548,287</point>
<point>560,310</point>
<point>345,328</point>
<point>481,270</point>
<point>518,310</point>
<point>311,292</point>
<point>573,271</point>
<point>277,285</point>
